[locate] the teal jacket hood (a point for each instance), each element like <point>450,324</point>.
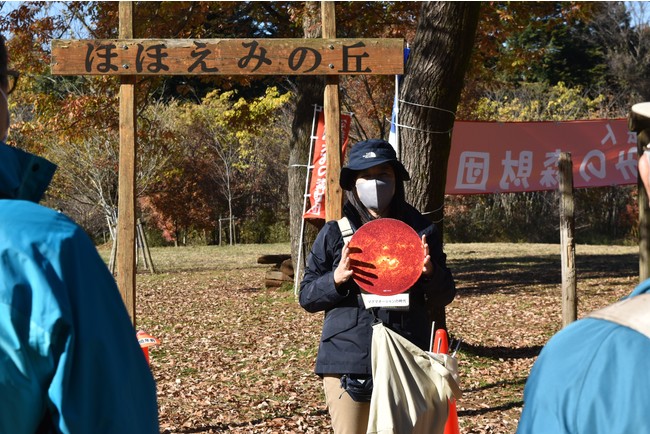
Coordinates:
<point>23,175</point>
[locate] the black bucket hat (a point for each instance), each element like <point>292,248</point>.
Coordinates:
<point>370,153</point>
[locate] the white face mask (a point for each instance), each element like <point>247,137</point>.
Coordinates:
<point>4,123</point>
<point>375,194</point>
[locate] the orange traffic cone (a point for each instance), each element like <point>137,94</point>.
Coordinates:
<point>146,340</point>
<point>145,351</point>
<point>452,419</point>
<point>441,345</point>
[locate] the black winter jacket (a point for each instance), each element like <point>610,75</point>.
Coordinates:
<point>347,329</point>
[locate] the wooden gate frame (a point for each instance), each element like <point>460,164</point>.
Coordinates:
<point>126,57</point>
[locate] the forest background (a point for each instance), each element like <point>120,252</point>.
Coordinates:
<point>214,148</point>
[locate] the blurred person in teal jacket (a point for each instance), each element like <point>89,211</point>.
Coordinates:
<point>593,377</point>
<point>69,358</point>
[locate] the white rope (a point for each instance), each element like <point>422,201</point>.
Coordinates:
<point>435,211</point>
<point>429,107</point>
<point>423,106</point>
<point>419,129</point>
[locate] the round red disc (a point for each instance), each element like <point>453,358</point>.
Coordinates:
<point>387,256</point>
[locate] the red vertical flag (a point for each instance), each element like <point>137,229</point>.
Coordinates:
<point>318,181</point>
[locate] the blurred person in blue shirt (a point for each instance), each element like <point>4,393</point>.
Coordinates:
<point>592,377</point>
<point>69,358</point>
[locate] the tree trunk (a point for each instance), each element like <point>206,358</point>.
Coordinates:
<point>309,91</point>
<point>431,90</point>
<point>433,81</point>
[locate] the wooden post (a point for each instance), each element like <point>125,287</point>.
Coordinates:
<point>567,241</point>
<point>332,111</point>
<point>639,122</point>
<point>126,182</point>
<point>644,231</point>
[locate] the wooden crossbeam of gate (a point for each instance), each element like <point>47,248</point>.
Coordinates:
<point>129,57</point>
<point>226,56</point>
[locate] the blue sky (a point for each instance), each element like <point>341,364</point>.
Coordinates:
<point>640,12</point>
<point>8,6</point>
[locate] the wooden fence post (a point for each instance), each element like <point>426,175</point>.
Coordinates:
<point>639,122</point>
<point>644,231</point>
<point>567,241</point>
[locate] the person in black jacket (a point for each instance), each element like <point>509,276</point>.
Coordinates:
<point>374,184</point>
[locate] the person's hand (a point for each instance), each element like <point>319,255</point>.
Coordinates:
<point>343,272</point>
<point>427,268</point>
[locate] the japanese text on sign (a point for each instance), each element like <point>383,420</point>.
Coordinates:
<point>490,157</point>
<point>228,56</point>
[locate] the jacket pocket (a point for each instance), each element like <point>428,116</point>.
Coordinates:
<point>339,320</point>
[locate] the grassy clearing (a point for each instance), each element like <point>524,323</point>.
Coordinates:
<point>237,357</point>
<point>197,258</point>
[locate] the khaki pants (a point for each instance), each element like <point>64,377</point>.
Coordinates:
<point>348,416</point>
<point>351,417</point>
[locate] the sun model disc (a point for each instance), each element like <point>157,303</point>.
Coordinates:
<point>387,256</point>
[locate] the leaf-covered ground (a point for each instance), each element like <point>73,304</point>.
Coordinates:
<point>236,357</point>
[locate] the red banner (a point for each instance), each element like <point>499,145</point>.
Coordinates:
<point>318,183</point>
<point>493,157</point>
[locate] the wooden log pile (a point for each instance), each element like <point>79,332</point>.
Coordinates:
<point>281,270</point>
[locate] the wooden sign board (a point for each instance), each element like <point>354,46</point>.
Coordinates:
<point>228,57</point>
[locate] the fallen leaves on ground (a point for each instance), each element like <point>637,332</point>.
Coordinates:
<point>236,357</point>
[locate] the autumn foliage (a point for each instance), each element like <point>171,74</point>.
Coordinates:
<point>529,60</point>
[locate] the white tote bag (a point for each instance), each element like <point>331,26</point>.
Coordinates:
<point>411,387</point>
